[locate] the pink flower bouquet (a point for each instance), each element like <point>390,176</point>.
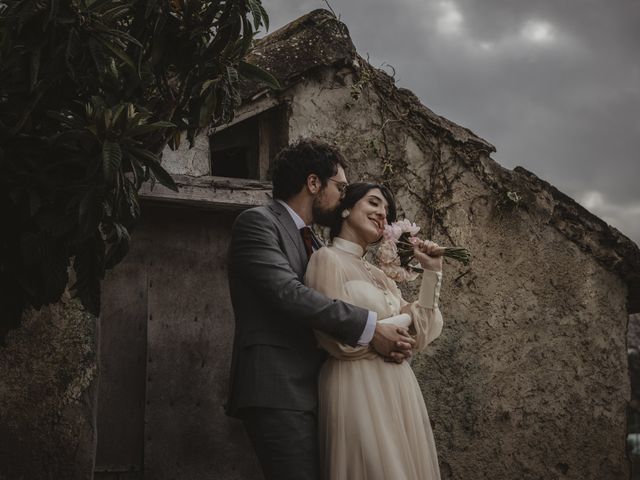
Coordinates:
<point>395,253</point>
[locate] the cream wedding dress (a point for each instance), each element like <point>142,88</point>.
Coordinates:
<point>373,422</point>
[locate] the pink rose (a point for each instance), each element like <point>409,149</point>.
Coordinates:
<point>392,232</point>
<point>407,226</point>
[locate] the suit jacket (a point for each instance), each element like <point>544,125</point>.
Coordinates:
<point>276,358</point>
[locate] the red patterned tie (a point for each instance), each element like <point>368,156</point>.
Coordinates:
<point>307,238</point>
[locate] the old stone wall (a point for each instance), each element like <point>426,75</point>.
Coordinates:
<point>47,395</point>
<point>529,378</point>
<point>633,334</point>
<point>633,410</point>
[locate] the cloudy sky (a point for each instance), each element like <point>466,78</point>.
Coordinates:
<point>553,84</point>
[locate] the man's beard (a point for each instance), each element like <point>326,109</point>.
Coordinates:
<point>322,216</point>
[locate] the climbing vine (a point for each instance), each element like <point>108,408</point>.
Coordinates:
<point>397,120</point>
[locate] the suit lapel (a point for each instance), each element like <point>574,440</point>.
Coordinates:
<point>289,225</point>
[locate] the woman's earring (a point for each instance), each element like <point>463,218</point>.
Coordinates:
<point>345,213</point>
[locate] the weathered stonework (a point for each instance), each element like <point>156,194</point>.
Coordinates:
<point>633,337</point>
<point>633,409</point>
<point>47,395</point>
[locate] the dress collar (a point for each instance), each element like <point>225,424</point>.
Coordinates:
<point>348,246</point>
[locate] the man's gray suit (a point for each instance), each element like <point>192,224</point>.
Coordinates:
<point>276,360</point>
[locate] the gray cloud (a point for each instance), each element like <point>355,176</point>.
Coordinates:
<point>555,86</point>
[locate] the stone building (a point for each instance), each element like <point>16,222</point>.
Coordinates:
<point>633,408</point>
<point>529,378</point>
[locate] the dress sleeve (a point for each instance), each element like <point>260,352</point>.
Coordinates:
<point>425,312</point>
<point>326,275</point>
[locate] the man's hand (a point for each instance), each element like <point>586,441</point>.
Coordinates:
<point>392,342</point>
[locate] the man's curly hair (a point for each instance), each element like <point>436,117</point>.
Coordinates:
<point>295,163</point>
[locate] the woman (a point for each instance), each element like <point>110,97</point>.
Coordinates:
<point>373,423</point>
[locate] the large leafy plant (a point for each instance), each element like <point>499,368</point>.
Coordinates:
<point>91,91</point>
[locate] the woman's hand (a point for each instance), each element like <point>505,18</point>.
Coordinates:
<point>429,254</point>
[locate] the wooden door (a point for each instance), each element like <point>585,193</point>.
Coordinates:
<point>166,337</point>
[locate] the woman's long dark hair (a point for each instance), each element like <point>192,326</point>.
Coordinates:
<point>353,193</point>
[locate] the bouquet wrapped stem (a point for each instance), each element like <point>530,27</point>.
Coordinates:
<point>405,252</point>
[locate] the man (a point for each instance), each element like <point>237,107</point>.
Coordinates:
<point>275,359</point>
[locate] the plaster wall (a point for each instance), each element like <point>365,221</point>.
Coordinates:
<point>633,336</point>
<point>529,378</point>
<point>194,162</point>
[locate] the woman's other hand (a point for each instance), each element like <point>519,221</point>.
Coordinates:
<point>429,254</point>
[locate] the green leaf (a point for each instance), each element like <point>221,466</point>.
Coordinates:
<point>265,17</point>
<point>255,11</point>
<point>232,75</point>
<point>114,13</point>
<point>136,169</point>
<point>131,112</point>
<point>123,36</point>
<point>111,159</point>
<point>132,200</point>
<point>118,244</point>
<point>206,110</point>
<point>257,74</point>
<point>121,54</point>
<point>144,129</point>
<point>35,68</point>
<point>206,84</point>
<point>247,38</point>
<point>138,118</point>
<point>176,139</point>
<point>259,14</point>
<point>150,160</point>
<point>163,176</point>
